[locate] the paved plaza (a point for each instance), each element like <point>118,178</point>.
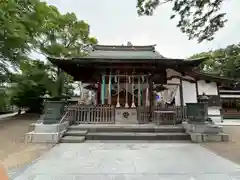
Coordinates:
<point>131,161</point>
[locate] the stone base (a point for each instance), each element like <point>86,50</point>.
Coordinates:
<point>46,133</point>
<point>33,137</point>
<point>205,132</point>
<point>50,128</point>
<point>126,116</point>
<point>203,127</point>
<point>198,137</point>
<point>216,119</point>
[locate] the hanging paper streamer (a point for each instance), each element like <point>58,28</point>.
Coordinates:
<point>109,88</point>
<point>142,79</point>
<point>118,89</point>
<point>133,102</point>
<point>103,89</point>
<point>126,100</point>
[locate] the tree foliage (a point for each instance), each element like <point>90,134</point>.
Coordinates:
<point>36,80</point>
<point>30,86</point>
<point>65,36</point>
<point>224,62</point>
<point>20,21</point>
<point>199,19</point>
<point>32,25</point>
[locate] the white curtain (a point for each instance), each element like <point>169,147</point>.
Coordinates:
<point>169,94</point>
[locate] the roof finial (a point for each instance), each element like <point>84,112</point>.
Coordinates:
<point>129,43</point>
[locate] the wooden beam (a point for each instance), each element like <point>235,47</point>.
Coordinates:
<point>181,78</point>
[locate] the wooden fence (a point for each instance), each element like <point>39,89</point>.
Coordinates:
<point>162,115</point>
<point>91,114</point>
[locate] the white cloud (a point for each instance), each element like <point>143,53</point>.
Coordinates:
<point>116,22</point>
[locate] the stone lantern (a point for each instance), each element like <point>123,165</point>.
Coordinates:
<point>53,109</point>
<point>203,98</point>
<point>198,112</point>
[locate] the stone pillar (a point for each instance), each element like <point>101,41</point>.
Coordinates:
<point>204,100</point>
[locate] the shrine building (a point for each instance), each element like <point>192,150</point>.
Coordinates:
<point>135,81</point>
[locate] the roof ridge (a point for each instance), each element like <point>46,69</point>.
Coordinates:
<point>123,48</point>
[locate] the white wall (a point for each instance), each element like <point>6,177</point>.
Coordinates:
<point>207,88</point>
<point>189,92</point>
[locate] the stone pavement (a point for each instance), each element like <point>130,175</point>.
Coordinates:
<point>131,161</point>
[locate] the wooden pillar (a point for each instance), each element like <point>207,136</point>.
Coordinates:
<point>150,97</point>
<point>99,93</point>
<point>181,97</point>
<point>139,92</point>
<point>197,92</point>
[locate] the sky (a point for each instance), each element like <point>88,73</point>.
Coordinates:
<point>115,22</point>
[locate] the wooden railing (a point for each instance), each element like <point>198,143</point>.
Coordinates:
<point>162,115</point>
<point>91,114</point>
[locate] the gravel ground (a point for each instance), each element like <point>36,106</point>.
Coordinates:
<point>231,149</point>
<point>15,154</point>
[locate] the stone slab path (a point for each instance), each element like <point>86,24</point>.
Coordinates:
<point>131,161</point>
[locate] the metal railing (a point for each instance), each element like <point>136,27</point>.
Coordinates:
<point>60,130</point>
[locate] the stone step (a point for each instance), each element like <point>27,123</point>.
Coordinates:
<point>73,139</point>
<point>136,136</point>
<point>127,128</point>
<point>73,132</point>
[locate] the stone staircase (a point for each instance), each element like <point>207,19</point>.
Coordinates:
<point>80,133</point>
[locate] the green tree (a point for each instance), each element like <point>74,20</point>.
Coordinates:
<point>32,25</point>
<point>58,35</point>
<point>30,85</point>
<point>224,62</point>
<point>20,22</point>
<point>199,19</point>
<point>65,36</point>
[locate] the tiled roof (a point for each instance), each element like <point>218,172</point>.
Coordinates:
<point>124,52</point>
